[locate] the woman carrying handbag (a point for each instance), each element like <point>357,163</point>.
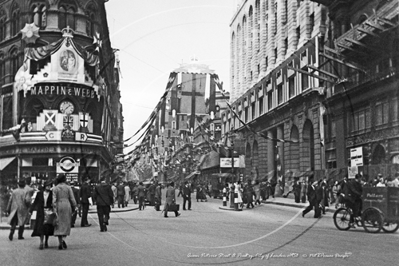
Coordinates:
<point>43,205</point>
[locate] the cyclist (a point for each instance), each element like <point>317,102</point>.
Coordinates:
<point>352,194</point>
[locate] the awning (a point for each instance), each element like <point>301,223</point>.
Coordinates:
<point>192,174</point>
<point>5,161</point>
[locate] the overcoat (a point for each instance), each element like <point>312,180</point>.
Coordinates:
<point>39,205</point>
<point>63,199</point>
<point>18,205</point>
<point>170,195</point>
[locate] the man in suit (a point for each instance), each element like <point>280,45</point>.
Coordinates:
<point>141,191</point>
<point>158,196</point>
<point>151,192</point>
<point>186,196</point>
<point>104,198</point>
<point>18,210</point>
<point>170,199</point>
<point>85,194</point>
<point>312,198</point>
<point>120,192</point>
<point>75,191</point>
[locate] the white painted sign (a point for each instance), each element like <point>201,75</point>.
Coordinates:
<point>53,135</point>
<point>79,136</point>
<point>226,162</point>
<point>357,156</point>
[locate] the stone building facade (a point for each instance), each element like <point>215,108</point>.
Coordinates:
<point>274,44</point>
<point>60,109</point>
<point>315,81</point>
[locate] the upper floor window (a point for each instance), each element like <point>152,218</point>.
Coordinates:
<point>66,16</point>
<point>3,30</point>
<point>2,70</point>
<point>270,100</point>
<point>14,62</point>
<point>40,15</point>
<point>381,113</point>
<point>15,22</point>
<point>91,12</point>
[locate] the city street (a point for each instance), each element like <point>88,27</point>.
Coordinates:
<point>266,235</point>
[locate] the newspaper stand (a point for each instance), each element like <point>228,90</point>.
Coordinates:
<point>380,211</point>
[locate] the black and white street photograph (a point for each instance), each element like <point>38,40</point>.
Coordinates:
<point>199,132</point>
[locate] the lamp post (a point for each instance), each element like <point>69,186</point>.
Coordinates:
<point>232,137</point>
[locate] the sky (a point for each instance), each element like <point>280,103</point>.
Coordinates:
<point>154,37</point>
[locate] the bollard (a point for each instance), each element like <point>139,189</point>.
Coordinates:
<point>236,201</point>
<point>224,197</point>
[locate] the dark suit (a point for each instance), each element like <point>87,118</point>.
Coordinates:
<point>186,197</point>
<point>120,192</point>
<point>39,205</point>
<point>312,198</point>
<point>85,194</point>
<point>77,199</point>
<point>104,198</point>
<point>141,191</point>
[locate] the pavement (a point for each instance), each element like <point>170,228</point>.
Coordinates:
<point>289,202</point>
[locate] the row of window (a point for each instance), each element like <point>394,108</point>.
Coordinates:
<point>67,17</point>
<point>382,113</point>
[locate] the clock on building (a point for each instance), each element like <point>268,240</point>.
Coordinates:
<point>66,107</point>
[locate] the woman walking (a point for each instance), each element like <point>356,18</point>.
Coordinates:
<point>43,203</point>
<point>63,203</point>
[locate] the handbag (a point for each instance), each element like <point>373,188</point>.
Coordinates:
<point>50,217</point>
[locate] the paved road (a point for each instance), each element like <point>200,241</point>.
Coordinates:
<point>266,235</point>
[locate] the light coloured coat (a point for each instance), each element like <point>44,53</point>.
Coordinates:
<point>170,195</point>
<point>63,204</point>
<point>19,205</point>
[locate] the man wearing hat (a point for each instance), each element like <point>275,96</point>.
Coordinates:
<point>85,194</point>
<point>18,209</point>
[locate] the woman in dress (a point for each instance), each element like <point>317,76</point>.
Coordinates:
<point>43,201</point>
<point>64,204</point>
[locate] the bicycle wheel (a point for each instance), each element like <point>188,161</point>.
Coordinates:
<point>342,218</point>
<point>390,227</point>
<point>372,220</point>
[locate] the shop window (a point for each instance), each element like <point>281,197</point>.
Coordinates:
<point>40,162</point>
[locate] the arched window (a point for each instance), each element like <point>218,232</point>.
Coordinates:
<point>66,16</point>
<point>91,12</point>
<point>39,15</point>
<point>15,22</point>
<point>3,19</point>
<point>14,61</point>
<point>2,69</point>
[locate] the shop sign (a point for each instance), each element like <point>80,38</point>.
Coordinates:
<point>227,162</point>
<point>65,89</point>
